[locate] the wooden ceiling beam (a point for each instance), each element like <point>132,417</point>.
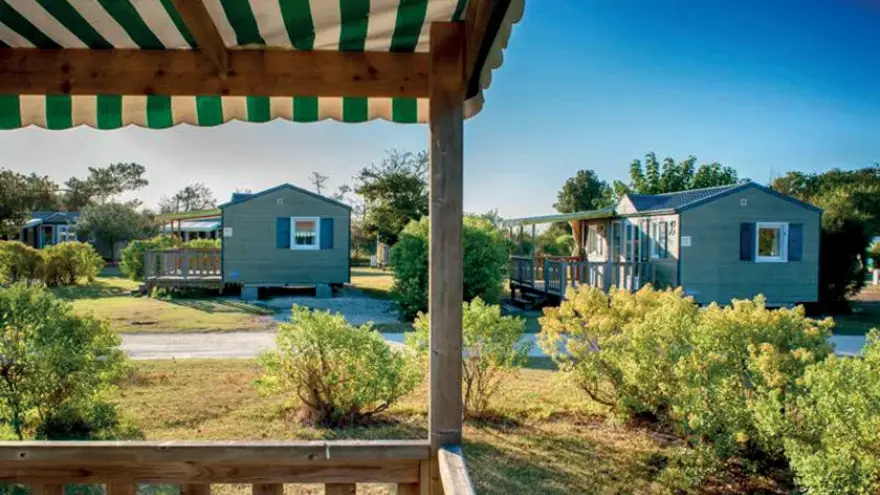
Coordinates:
<point>187,72</point>
<point>202,28</point>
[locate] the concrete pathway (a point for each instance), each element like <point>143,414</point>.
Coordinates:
<point>251,344</point>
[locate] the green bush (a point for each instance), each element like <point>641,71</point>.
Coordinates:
<point>202,244</point>
<point>67,263</point>
<point>834,445</point>
<point>341,374</point>
<point>485,264</point>
<point>57,366</point>
<point>19,263</point>
<point>131,263</point>
<point>744,376</point>
<point>622,348</point>
<point>492,350</point>
<point>725,379</point>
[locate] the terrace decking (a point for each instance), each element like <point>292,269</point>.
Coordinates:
<point>552,276</point>
<point>183,268</point>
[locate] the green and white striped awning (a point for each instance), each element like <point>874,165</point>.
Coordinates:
<point>337,25</point>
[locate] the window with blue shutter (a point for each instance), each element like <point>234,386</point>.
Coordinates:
<point>747,242</point>
<point>327,233</point>
<point>795,242</point>
<point>282,233</point>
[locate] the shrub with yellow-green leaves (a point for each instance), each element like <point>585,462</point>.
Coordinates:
<point>727,379</point>
<point>833,437</point>
<point>492,350</point>
<point>622,348</point>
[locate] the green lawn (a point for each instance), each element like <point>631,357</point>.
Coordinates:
<point>109,296</point>
<point>548,438</point>
<point>374,282</point>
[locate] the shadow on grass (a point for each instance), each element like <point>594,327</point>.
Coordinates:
<point>221,306</point>
<point>99,289</point>
<point>540,363</point>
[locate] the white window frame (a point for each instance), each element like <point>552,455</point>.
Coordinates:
<point>783,242</point>
<point>305,247</point>
<point>655,236</point>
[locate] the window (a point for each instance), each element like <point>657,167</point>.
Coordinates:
<point>595,240</point>
<point>615,239</point>
<point>660,236</point>
<point>771,242</point>
<point>304,233</point>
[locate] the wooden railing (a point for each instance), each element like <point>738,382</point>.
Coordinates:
<point>522,270</point>
<point>339,465</point>
<point>182,263</point>
<point>560,273</point>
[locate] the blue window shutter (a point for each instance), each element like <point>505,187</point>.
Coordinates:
<point>327,233</point>
<point>747,242</point>
<point>795,242</point>
<point>282,232</point>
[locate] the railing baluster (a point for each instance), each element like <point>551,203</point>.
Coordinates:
<point>340,489</point>
<point>48,489</point>
<point>195,489</point>
<point>266,489</point>
<point>121,488</point>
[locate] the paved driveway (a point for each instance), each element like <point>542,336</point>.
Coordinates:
<point>251,344</point>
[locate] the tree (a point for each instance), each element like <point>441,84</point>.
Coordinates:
<point>652,178</point>
<point>395,192</point>
<point>22,194</point>
<point>850,200</point>
<point>583,192</point>
<point>318,179</point>
<point>193,197</point>
<point>111,223</point>
<point>102,184</point>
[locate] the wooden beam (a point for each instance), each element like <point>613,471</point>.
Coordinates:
<point>445,251</point>
<point>280,73</point>
<point>202,28</point>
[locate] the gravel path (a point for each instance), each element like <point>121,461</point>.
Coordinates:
<point>251,344</point>
<point>356,308</point>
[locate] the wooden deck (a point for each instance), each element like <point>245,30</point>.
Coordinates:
<point>553,276</point>
<point>183,268</point>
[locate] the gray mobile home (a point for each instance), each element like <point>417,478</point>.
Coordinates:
<point>285,236</point>
<point>718,244</point>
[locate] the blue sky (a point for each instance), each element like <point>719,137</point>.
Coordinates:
<point>765,87</point>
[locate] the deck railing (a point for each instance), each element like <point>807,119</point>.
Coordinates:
<point>194,466</point>
<point>554,275</point>
<point>522,270</point>
<point>182,263</point>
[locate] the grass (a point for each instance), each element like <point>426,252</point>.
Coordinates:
<point>109,297</point>
<point>373,282</point>
<point>548,438</point>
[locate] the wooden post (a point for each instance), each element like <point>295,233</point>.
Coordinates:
<point>535,255</point>
<point>445,252</point>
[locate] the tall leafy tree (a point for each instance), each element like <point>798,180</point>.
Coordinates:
<point>850,200</point>
<point>583,192</point>
<point>196,196</point>
<point>651,177</point>
<point>103,183</point>
<point>111,223</point>
<point>22,194</point>
<point>395,191</point>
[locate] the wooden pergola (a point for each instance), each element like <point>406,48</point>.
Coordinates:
<point>159,63</point>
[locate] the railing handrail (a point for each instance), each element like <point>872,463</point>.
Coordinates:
<point>453,471</point>
<point>53,462</point>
